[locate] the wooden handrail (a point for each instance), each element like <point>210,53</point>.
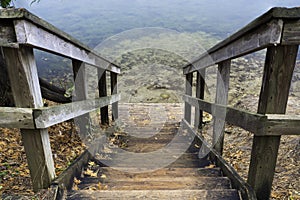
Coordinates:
<point>266,30</point>
<point>16,118</point>
<point>278,31</point>
<point>24,28</point>
<point>238,183</point>
<point>22,32</point>
<point>258,124</point>
<point>249,121</point>
<point>48,116</point>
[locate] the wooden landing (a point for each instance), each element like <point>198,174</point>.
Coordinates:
<point>153,159</point>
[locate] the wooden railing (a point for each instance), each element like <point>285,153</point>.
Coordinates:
<point>278,31</point>
<point>21,32</point>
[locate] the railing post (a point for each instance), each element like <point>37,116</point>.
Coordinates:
<point>200,86</point>
<point>102,87</point>
<point>188,91</point>
<point>26,92</point>
<point>278,71</point>
<point>114,90</point>
<point>81,93</point>
<point>223,76</point>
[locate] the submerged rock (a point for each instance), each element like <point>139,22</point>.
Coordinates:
<point>165,95</point>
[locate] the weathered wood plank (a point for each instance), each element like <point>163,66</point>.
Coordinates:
<point>188,91</point>
<point>16,118</point>
<point>23,14</point>
<point>249,121</point>
<point>66,178</point>
<point>162,184</point>
<point>265,35</point>
<point>122,173</point>
<point>200,88</point>
<point>278,71</point>
<point>48,116</point>
<point>274,15</point>
<point>283,124</point>
<point>80,94</point>
<point>114,90</point>
<point>237,182</point>
<point>38,37</point>
<point>223,76</point>
<point>26,92</point>
<point>102,88</point>
<point>291,33</point>
<point>229,194</point>
<point>7,34</point>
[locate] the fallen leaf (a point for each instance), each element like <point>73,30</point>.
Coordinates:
<point>103,176</point>
<point>77,181</point>
<point>210,166</point>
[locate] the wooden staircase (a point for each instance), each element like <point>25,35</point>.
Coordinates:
<point>162,163</point>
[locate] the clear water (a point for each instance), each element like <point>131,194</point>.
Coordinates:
<point>92,21</point>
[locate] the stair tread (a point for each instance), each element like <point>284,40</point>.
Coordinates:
<point>163,172</point>
<point>229,194</point>
<point>152,159</point>
<point>157,183</point>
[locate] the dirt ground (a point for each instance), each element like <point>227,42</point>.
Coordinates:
<point>66,145</point>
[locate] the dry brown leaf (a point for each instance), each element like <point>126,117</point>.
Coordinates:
<point>103,176</point>
<point>76,181</point>
<point>210,166</point>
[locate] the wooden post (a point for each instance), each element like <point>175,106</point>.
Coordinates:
<point>81,93</point>
<point>26,92</point>
<point>188,91</point>
<point>221,98</point>
<point>114,90</point>
<point>102,87</point>
<point>200,86</point>
<point>278,71</point>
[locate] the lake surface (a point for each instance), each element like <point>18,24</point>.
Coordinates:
<point>182,27</point>
<point>93,21</point>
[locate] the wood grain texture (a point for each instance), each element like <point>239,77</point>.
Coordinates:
<point>7,34</point>
<point>157,194</point>
<point>23,77</point>
<point>114,90</point>
<point>102,89</point>
<point>158,183</point>
<point>16,118</point>
<point>278,71</point>
<point>188,91</point>
<point>41,38</point>
<point>223,76</point>
<point>48,116</point>
<point>268,34</point>
<point>200,88</point>
<point>288,16</point>
<point>65,179</point>
<point>80,94</point>
<point>291,33</point>
<point>26,92</point>
<point>171,167</point>
<point>237,182</point>
<point>283,124</point>
<point>249,121</point>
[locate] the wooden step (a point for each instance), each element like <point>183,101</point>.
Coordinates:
<point>158,183</point>
<point>150,146</point>
<point>121,173</point>
<point>156,194</point>
<point>152,161</point>
<point>154,156</point>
